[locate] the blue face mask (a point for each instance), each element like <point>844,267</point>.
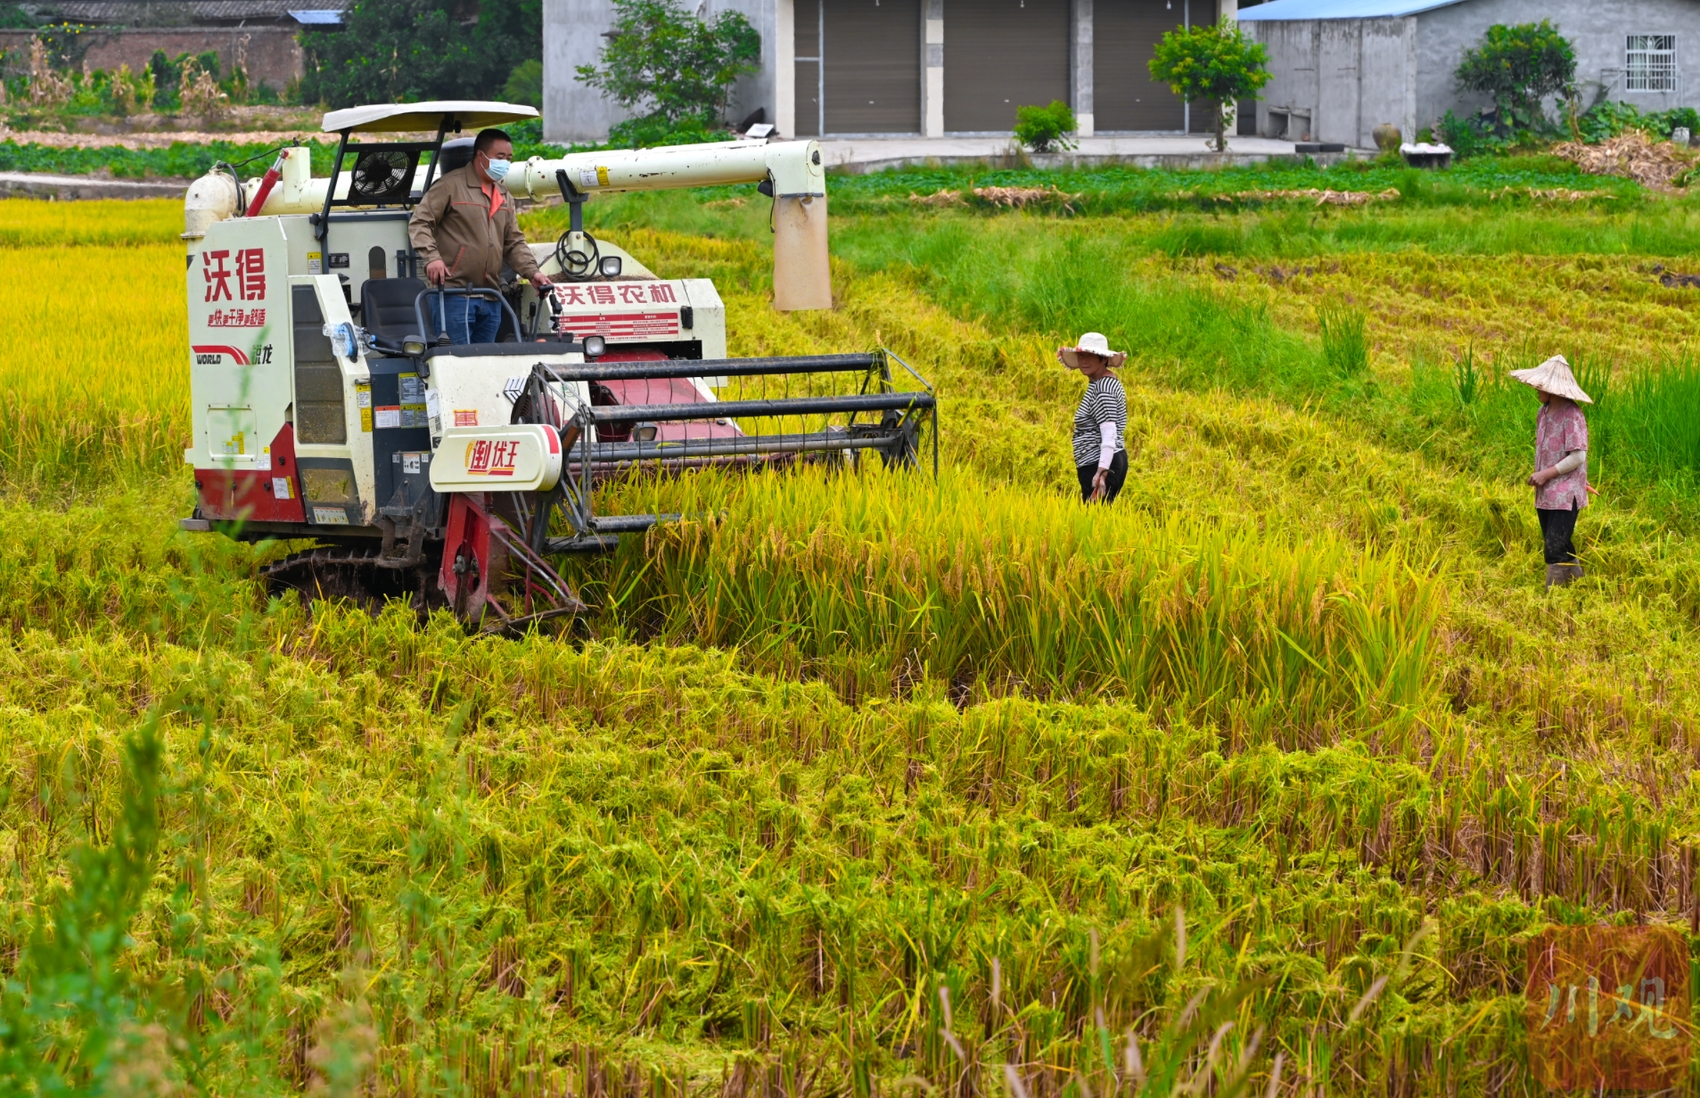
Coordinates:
<point>498,169</point>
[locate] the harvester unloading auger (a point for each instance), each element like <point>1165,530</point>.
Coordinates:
<point>326,408</point>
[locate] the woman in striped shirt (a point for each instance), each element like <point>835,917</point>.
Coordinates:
<point>1100,423</point>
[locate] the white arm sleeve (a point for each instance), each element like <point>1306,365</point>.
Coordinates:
<point>1571,462</point>
<point>1106,444</point>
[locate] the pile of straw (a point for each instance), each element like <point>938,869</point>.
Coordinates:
<point>1631,155</point>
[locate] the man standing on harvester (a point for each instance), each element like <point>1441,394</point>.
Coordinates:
<point>465,229</point>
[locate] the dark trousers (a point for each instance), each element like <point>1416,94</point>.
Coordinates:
<point>471,319</point>
<point>1112,483</point>
<point>1557,530</point>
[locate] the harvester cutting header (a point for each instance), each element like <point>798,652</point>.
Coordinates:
<point>332,404</point>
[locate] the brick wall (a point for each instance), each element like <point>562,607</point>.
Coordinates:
<point>273,55</point>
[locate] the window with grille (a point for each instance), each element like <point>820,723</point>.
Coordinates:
<point>1650,63</point>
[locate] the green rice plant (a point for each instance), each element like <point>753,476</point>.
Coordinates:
<point>1345,344</point>
<point>1464,376</point>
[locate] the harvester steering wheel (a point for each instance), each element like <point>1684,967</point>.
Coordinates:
<point>575,263</point>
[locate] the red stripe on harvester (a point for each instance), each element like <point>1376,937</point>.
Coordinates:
<point>241,359</point>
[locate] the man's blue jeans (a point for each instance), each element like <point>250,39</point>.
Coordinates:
<point>471,319</point>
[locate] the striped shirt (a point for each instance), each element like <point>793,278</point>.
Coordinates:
<point>1105,401</point>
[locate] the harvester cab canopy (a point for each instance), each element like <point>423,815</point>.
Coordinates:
<point>442,115</point>
<point>388,173</point>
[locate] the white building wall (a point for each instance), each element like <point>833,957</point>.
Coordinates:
<point>1596,29</point>
<point>572,36</point>
<point>1349,75</point>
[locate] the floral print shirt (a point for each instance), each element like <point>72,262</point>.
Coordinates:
<point>1559,430</point>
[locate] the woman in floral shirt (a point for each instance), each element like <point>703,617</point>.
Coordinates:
<point>1560,478</point>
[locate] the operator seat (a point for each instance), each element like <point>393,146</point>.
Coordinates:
<point>386,307</point>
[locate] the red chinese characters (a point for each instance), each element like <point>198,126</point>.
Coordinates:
<point>661,293</point>
<point>217,275</point>
<point>251,273</point>
<point>492,458</point>
<point>237,318</point>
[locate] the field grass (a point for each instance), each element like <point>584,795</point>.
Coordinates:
<point>877,779</point>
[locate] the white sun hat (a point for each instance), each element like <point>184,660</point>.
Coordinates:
<point>1092,343</point>
<point>1554,376</point>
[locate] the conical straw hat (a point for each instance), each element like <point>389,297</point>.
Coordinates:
<point>1554,376</point>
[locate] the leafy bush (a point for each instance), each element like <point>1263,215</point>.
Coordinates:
<point>1606,120</point>
<point>1212,62</point>
<point>399,51</point>
<point>13,17</point>
<point>1044,129</point>
<point>662,59</point>
<point>525,84</point>
<point>1468,137</point>
<point>652,130</point>
<point>1518,67</point>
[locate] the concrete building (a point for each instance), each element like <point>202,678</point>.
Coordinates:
<point>1339,68</point>
<point>927,67</point>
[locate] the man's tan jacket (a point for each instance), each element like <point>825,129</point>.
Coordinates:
<point>454,223</point>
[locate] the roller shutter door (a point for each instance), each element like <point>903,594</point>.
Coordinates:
<point>1000,55</point>
<point>807,46</point>
<point>1125,34</point>
<point>871,53</point>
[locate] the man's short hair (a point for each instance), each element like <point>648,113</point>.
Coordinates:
<point>486,138</point>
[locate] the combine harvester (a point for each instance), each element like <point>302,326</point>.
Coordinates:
<point>326,409</point>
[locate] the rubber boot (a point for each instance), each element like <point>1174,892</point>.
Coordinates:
<point>1554,572</point>
<point>1562,575</point>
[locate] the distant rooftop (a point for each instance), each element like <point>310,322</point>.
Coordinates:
<point>318,18</point>
<point>173,13</point>
<point>1276,11</point>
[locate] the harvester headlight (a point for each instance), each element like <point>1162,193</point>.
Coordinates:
<point>644,432</point>
<point>611,266</point>
<point>595,346</point>
<point>413,346</point>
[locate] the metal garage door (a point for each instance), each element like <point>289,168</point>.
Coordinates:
<point>807,46</point>
<point>999,55</point>
<point>1124,35</point>
<point>870,51</point>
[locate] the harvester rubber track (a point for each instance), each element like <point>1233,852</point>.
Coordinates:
<point>338,572</point>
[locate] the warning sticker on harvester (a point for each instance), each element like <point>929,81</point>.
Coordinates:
<point>466,417</point>
<point>363,399</point>
<point>593,177</point>
<point>387,416</point>
<point>282,488</point>
<point>330,516</point>
<point>313,265</point>
<point>621,326</point>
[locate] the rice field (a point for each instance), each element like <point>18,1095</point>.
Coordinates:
<point>1263,777</point>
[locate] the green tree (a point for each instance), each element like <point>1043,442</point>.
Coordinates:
<point>400,51</point>
<point>674,66</point>
<point>1214,63</point>
<point>1518,67</point>
<point>525,84</point>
